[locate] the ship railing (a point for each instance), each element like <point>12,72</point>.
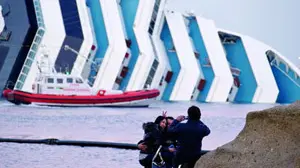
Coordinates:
<point>276,63</point>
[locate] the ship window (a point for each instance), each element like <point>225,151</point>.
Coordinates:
<point>31,55</point>
<point>37,8</point>
<point>41,24</point>
<point>78,80</point>
<point>156,7</point>
<point>39,19</point>
<point>150,30</point>
<point>69,80</point>
<point>19,85</point>
<point>41,32</point>
<point>59,80</point>
<point>28,62</point>
<point>22,77</point>
<point>151,73</point>
<point>34,47</point>
<point>25,70</point>
<point>37,39</point>
<point>36,3</point>
<point>50,80</point>
<point>38,13</point>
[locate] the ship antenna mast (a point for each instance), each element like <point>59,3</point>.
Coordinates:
<point>67,47</point>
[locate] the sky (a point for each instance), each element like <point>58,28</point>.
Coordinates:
<point>274,22</point>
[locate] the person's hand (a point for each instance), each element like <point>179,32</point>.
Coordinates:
<point>142,146</point>
<point>164,114</point>
<point>180,118</point>
<point>172,150</point>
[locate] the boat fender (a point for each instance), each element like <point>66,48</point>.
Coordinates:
<point>101,92</point>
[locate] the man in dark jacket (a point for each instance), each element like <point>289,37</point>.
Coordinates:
<point>189,136</point>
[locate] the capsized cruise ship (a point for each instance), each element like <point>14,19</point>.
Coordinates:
<point>136,44</point>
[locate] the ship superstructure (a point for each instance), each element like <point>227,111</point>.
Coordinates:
<point>137,44</point>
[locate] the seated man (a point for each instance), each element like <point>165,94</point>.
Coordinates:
<point>189,136</point>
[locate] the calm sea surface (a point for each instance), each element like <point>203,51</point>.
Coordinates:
<point>101,124</point>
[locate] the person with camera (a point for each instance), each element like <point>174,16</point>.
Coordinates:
<point>189,137</point>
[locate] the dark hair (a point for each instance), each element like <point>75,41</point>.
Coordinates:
<point>194,113</point>
<point>159,119</point>
<point>149,127</point>
<point>170,117</point>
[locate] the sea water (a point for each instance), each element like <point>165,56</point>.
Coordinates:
<point>102,124</point>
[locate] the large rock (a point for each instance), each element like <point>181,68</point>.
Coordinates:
<point>270,138</point>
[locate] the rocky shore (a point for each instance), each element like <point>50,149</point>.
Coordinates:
<point>270,139</point>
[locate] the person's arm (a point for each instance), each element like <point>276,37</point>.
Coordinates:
<point>141,146</point>
<point>206,130</point>
<point>174,126</point>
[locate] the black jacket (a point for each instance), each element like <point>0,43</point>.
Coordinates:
<point>152,137</point>
<point>189,137</point>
